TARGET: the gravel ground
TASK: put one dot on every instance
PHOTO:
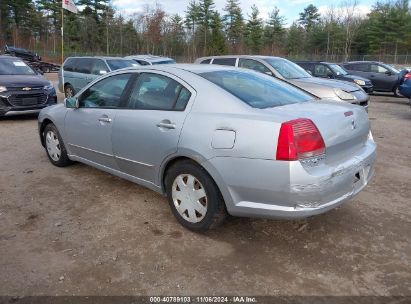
(79, 231)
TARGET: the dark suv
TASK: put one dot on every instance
(332, 70)
(384, 77)
(22, 91)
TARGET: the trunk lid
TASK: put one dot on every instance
(344, 127)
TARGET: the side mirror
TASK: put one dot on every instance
(309, 72)
(388, 73)
(330, 75)
(39, 72)
(71, 103)
(102, 72)
(269, 73)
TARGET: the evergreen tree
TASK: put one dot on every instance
(254, 30)
(274, 31)
(205, 15)
(217, 39)
(309, 17)
(234, 23)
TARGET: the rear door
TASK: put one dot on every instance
(149, 130)
(81, 73)
(89, 128)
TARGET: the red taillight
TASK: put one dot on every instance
(407, 76)
(299, 139)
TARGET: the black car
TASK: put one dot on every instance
(384, 77)
(22, 90)
(332, 70)
(22, 53)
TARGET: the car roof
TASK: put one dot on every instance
(362, 62)
(242, 56)
(148, 57)
(98, 57)
(190, 67)
(314, 61)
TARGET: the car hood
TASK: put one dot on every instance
(23, 81)
(323, 88)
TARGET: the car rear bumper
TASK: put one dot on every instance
(289, 190)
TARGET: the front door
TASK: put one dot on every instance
(89, 128)
(149, 130)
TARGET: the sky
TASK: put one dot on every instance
(288, 8)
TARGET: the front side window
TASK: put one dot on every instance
(14, 66)
(322, 70)
(253, 65)
(225, 61)
(287, 69)
(106, 93)
(375, 68)
(158, 92)
(257, 90)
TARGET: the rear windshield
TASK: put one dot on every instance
(14, 67)
(116, 64)
(258, 91)
(164, 62)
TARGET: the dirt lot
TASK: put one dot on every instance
(79, 231)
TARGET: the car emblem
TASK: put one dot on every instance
(353, 124)
(27, 89)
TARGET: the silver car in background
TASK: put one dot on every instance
(289, 71)
(215, 139)
(150, 59)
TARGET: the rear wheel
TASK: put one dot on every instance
(194, 198)
(396, 91)
(56, 151)
(69, 91)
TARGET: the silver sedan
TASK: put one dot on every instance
(215, 140)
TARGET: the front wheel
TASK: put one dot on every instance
(194, 198)
(56, 151)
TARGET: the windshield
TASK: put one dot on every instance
(338, 69)
(116, 64)
(258, 91)
(164, 62)
(14, 67)
(287, 69)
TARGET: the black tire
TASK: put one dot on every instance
(216, 211)
(396, 91)
(63, 160)
(69, 91)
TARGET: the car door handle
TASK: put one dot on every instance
(166, 125)
(105, 119)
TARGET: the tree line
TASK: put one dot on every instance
(340, 33)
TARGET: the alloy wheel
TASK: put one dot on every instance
(189, 198)
(53, 145)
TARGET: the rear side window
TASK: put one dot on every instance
(99, 67)
(207, 61)
(158, 92)
(142, 62)
(361, 67)
(84, 65)
(322, 70)
(225, 61)
(69, 65)
(257, 90)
